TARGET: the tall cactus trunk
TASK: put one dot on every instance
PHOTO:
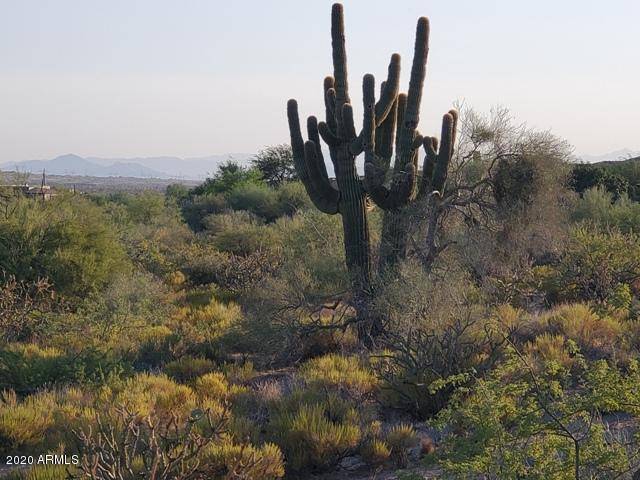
(357, 243)
(394, 238)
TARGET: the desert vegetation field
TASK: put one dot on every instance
(464, 307)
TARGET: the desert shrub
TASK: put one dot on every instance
(294, 312)
(252, 463)
(41, 472)
(232, 273)
(257, 199)
(199, 330)
(519, 423)
(312, 439)
(145, 207)
(68, 240)
(159, 247)
(154, 347)
(401, 439)
(228, 176)
(550, 349)
(438, 332)
(176, 192)
(240, 233)
(25, 308)
(338, 372)
(188, 368)
(26, 368)
(41, 421)
(196, 209)
(189, 432)
(596, 335)
(115, 321)
(599, 267)
(146, 394)
(292, 197)
(585, 177)
(599, 207)
(24, 424)
(375, 452)
(213, 385)
(245, 239)
(203, 264)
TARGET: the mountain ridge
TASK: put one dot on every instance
(194, 168)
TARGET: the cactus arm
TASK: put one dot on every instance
(408, 139)
(436, 162)
(431, 148)
(389, 90)
(449, 124)
(330, 103)
(327, 135)
(418, 73)
(339, 55)
(348, 125)
(326, 195)
(385, 134)
(312, 133)
(411, 114)
(311, 174)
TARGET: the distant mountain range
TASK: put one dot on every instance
(181, 168)
(622, 154)
(146, 167)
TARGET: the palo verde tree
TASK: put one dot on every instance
(392, 116)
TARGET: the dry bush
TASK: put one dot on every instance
(345, 374)
(401, 439)
(438, 331)
(24, 307)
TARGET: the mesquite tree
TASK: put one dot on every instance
(393, 117)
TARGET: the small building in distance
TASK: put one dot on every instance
(43, 191)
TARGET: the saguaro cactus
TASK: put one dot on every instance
(348, 197)
(410, 198)
(393, 117)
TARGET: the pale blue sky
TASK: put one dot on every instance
(188, 78)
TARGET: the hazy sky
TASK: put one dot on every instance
(190, 78)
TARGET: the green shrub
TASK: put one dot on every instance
(200, 330)
(292, 197)
(438, 332)
(312, 440)
(188, 368)
(599, 267)
(257, 199)
(335, 371)
(197, 208)
(599, 207)
(245, 240)
(252, 463)
(596, 335)
(68, 240)
(375, 452)
(26, 368)
(228, 176)
(401, 438)
(41, 421)
(519, 423)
